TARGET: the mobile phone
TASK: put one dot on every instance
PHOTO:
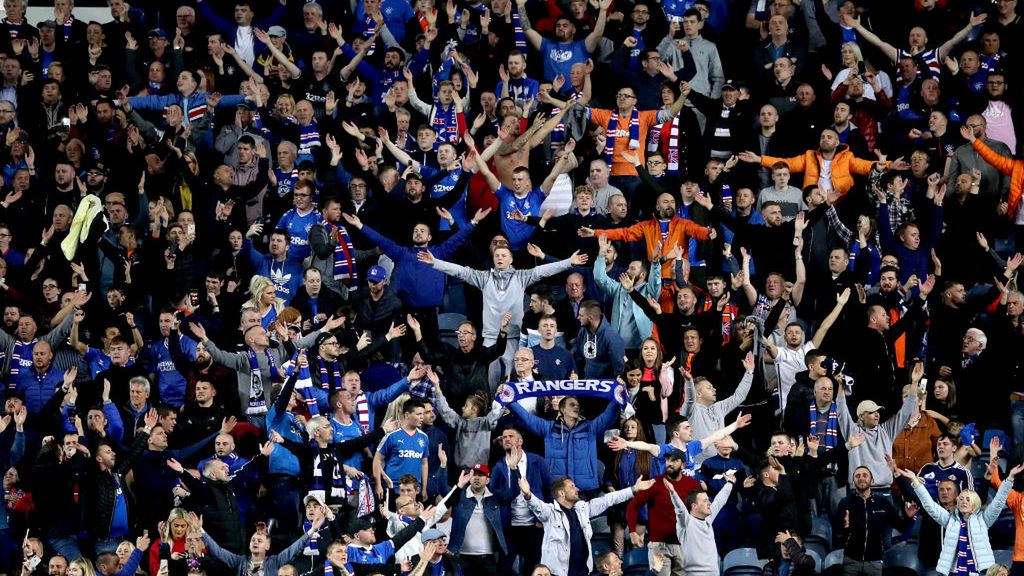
(193, 297)
(860, 68)
(81, 287)
(191, 229)
(65, 122)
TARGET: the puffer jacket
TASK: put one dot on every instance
(844, 166)
(977, 528)
(555, 549)
(572, 451)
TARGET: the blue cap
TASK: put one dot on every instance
(377, 274)
(431, 534)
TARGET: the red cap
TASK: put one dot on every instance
(482, 469)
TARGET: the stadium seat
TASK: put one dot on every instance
(817, 559)
(833, 563)
(1004, 557)
(902, 560)
(635, 557)
(741, 562)
(820, 536)
(447, 324)
(820, 551)
(1001, 533)
(1004, 439)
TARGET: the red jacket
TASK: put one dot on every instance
(661, 514)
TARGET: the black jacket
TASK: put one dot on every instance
(466, 372)
(870, 520)
(102, 496)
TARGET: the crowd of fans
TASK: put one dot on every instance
(519, 287)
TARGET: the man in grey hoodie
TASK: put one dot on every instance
(878, 437)
(694, 520)
(257, 562)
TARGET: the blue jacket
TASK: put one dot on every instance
(462, 511)
(609, 360)
(38, 391)
(417, 284)
(504, 482)
(194, 106)
(282, 460)
(572, 451)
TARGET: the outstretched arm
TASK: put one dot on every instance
(829, 320)
(590, 42)
(532, 36)
(888, 49)
(944, 50)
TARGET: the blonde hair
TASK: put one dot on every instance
(394, 410)
(84, 565)
(855, 48)
(974, 498)
(175, 514)
(256, 287)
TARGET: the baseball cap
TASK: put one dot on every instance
(868, 406)
(376, 274)
(313, 497)
(277, 32)
(321, 338)
(732, 84)
(14, 394)
(157, 32)
(431, 534)
(360, 524)
(832, 366)
(247, 105)
(482, 469)
(414, 176)
(675, 454)
(47, 24)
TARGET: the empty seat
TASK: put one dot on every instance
(833, 563)
(1004, 557)
(817, 559)
(741, 562)
(447, 324)
(1004, 439)
(902, 560)
(636, 557)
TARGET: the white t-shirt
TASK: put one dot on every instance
(788, 363)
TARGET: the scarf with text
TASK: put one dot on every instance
(830, 435)
(312, 548)
(344, 269)
(612, 133)
(676, 147)
(257, 401)
(363, 413)
(445, 123)
(369, 29)
(326, 463)
(22, 351)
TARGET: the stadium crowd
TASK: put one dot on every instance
(532, 287)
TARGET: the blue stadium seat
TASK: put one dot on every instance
(821, 535)
(634, 558)
(833, 563)
(1004, 557)
(447, 324)
(741, 562)
(817, 559)
(902, 560)
(1001, 533)
(819, 551)
(1004, 439)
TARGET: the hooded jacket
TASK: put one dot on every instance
(844, 166)
(572, 451)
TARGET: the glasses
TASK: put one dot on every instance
(357, 185)
(974, 125)
(624, 95)
(995, 82)
(522, 360)
(465, 333)
(49, 286)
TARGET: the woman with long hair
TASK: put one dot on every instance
(173, 532)
(965, 545)
(649, 395)
(629, 466)
(263, 299)
(81, 567)
(944, 407)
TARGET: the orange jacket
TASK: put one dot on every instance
(680, 230)
(844, 166)
(1012, 168)
(1015, 502)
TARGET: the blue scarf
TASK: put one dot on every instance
(311, 549)
(309, 140)
(613, 128)
(446, 123)
(558, 134)
(371, 28)
(831, 436)
(519, 34)
(964, 555)
(304, 384)
(332, 380)
(344, 269)
(608, 389)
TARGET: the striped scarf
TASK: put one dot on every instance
(344, 268)
(370, 29)
(558, 134)
(363, 413)
(829, 436)
(330, 380)
(312, 548)
(304, 384)
(612, 133)
(309, 140)
(676, 147)
(22, 351)
(445, 123)
(257, 401)
(196, 113)
(964, 554)
(520, 35)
